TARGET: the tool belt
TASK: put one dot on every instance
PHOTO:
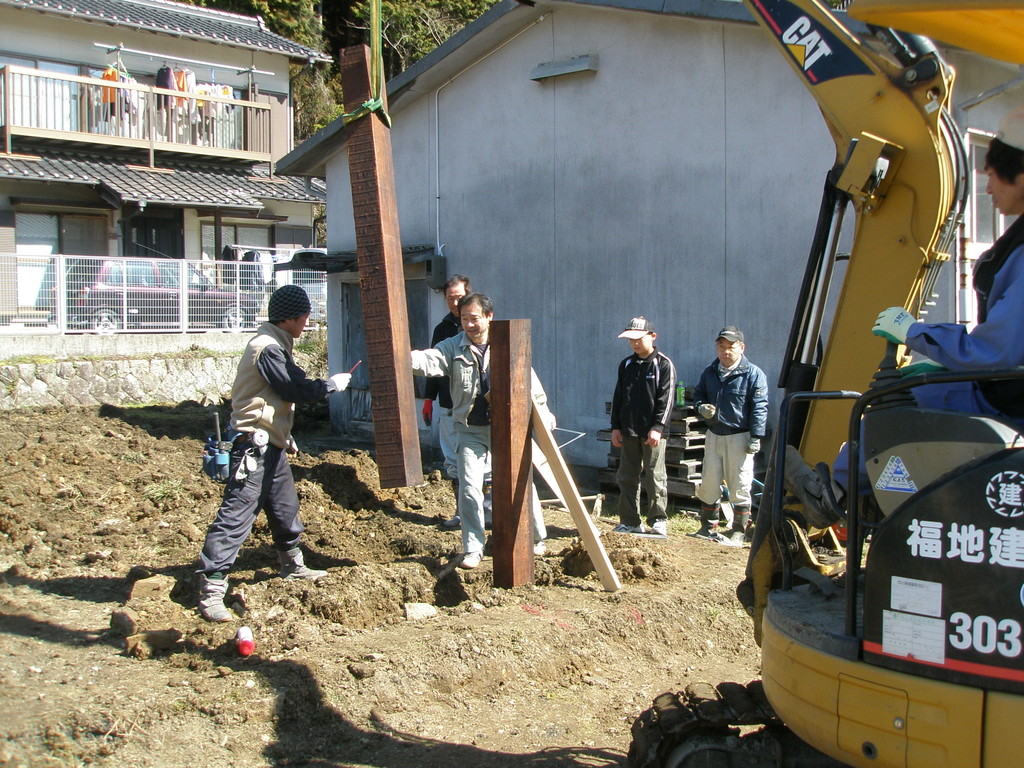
(259, 438)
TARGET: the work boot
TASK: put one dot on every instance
(740, 522)
(293, 566)
(709, 516)
(211, 597)
(820, 510)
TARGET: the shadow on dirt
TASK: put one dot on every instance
(186, 419)
(54, 633)
(311, 733)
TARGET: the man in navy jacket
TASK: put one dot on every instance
(732, 398)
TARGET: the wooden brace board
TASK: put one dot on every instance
(549, 463)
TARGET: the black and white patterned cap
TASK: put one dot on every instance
(287, 302)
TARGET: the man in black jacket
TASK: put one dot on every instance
(455, 288)
(641, 411)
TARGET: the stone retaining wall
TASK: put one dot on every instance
(116, 382)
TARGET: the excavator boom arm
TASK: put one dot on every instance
(898, 164)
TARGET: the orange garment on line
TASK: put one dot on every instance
(109, 95)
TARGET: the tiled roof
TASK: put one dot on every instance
(192, 184)
(177, 19)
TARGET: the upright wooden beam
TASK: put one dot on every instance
(511, 463)
(381, 279)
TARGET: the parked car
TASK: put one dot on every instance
(107, 295)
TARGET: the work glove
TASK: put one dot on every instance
(920, 365)
(707, 411)
(340, 381)
(753, 445)
(893, 324)
(428, 412)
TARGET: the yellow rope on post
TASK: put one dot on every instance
(376, 100)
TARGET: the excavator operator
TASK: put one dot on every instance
(996, 340)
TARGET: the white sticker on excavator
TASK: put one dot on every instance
(916, 596)
(914, 637)
(895, 477)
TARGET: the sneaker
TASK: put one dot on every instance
(660, 528)
(470, 560)
(540, 548)
(623, 528)
(453, 522)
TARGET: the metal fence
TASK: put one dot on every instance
(85, 294)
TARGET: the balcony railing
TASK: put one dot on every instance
(46, 105)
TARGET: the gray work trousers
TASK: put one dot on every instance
(474, 461)
(642, 464)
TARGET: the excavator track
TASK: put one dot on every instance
(729, 725)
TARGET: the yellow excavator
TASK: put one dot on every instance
(900, 643)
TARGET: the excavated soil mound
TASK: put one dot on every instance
(395, 658)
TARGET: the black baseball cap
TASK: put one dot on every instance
(730, 333)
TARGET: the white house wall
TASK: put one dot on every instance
(681, 181)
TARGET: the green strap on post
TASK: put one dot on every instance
(376, 100)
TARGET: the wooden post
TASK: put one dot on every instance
(511, 463)
(381, 280)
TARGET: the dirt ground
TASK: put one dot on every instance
(104, 661)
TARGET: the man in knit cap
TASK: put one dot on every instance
(263, 397)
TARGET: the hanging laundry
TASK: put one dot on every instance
(165, 79)
(109, 95)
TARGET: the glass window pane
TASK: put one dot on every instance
(254, 236)
(140, 273)
(984, 213)
(170, 273)
(36, 233)
(84, 235)
(18, 60)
